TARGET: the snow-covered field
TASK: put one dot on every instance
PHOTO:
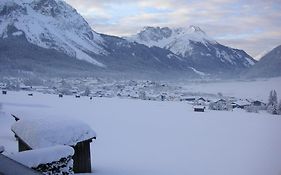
(258, 89)
(136, 137)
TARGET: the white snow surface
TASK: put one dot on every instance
(146, 137)
(34, 158)
(243, 102)
(197, 71)
(253, 89)
(46, 132)
(65, 31)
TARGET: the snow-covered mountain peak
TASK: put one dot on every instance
(193, 44)
(196, 29)
(191, 33)
(177, 39)
(190, 30)
(154, 33)
(50, 24)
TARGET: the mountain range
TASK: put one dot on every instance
(49, 37)
(268, 66)
(193, 44)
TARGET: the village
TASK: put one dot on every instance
(142, 90)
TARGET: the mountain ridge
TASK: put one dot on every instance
(58, 28)
(268, 66)
(192, 43)
(51, 24)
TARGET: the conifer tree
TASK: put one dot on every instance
(272, 106)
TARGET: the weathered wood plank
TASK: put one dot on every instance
(82, 157)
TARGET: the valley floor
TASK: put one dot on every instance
(255, 89)
(158, 138)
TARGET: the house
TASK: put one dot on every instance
(46, 133)
(4, 92)
(220, 104)
(258, 103)
(188, 99)
(153, 97)
(200, 101)
(3, 86)
(60, 95)
(242, 104)
(199, 108)
(40, 88)
(25, 88)
(99, 94)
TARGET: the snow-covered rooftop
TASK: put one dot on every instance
(242, 102)
(34, 158)
(44, 132)
(198, 107)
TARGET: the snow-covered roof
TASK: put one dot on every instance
(44, 132)
(242, 102)
(220, 100)
(258, 101)
(201, 99)
(198, 107)
(34, 158)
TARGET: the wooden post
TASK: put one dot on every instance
(82, 157)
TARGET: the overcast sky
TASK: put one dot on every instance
(251, 25)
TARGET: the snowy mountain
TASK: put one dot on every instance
(192, 43)
(50, 37)
(51, 24)
(268, 66)
(177, 40)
